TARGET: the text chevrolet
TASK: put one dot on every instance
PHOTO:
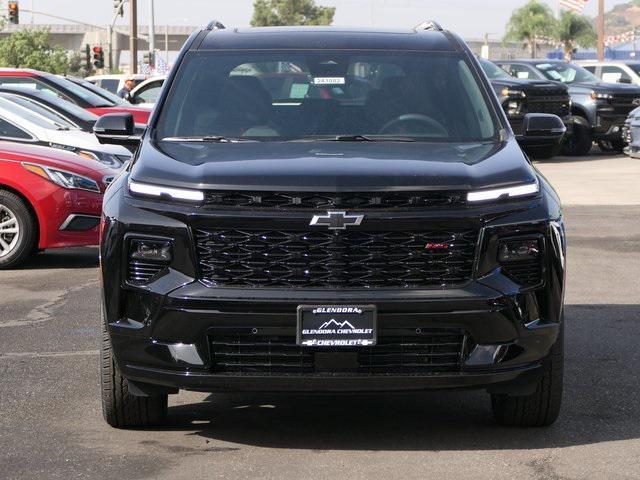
(330, 210)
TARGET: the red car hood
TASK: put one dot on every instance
(51, 157)
(140, 115)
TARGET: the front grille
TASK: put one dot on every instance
(324, 201)
(624, 98)
(348, 259)
(526, 273)
(558, 107)
(399, 351)
(141, 273)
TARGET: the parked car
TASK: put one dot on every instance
(147, 92)
(521, 96)
(599, 109)
(73, 114)
(115, 82)
(69, 91)
(49, 198)
(632, 133)
(614, 71)
(22, 125)
(397, 241)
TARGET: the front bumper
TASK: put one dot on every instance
(161, 333)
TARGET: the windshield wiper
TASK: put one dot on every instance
(355, 138)
(208, 138)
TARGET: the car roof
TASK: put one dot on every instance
(327, 38)
(608, 62)
(531, 61)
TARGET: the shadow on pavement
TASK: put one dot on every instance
(601, 404)
(84, 257)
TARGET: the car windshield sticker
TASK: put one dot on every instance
(329, 81)
(299, 90)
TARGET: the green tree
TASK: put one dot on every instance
(78, 66)
(574, 31)
(529, 24)
(290, 12)
(32, 49)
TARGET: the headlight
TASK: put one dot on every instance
(601, 96)
(148, 190)
(513, 107)
(63, 178)
(507, 192)
(113, 161)
(510, 92)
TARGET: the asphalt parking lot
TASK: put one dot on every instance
(51, 424)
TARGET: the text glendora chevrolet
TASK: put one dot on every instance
(330, 210)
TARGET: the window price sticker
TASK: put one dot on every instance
(329, 81)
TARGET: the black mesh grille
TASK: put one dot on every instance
(324, 201)
(526, 273)
(399, 351)
(322, 259)
(141, 273)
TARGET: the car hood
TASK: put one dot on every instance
(333, 166)
(607, 86)
(84, 140)
(522, 83)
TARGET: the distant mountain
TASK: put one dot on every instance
(622, 18)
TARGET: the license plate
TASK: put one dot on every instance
(336, 325)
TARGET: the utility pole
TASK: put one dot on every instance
(600, 23)
(133, 36)
(152, 36)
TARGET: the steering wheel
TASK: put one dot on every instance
(425, 125)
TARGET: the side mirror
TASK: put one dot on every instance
(624, 80)
(543, 128)
(129, 98)
(116, 129)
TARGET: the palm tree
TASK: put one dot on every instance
(530, 23)
(574, 30)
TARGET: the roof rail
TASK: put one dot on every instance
(429, 25)
(214, 25)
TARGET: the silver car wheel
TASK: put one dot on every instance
(9, 231)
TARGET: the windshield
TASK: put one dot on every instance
(493, 71)
(39, 109)
(77, 90)
(111, 99)
(322, 95)
(29, 115)
(566, 73)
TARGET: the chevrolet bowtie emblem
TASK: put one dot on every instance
(336, 220)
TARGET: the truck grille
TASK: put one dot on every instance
(324, 201)
(348, 259)
(399, 351)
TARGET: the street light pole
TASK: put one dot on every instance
(152, 36)
(133, 36)
(600, 23)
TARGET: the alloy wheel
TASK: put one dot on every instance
(9, 230)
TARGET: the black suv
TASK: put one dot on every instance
(521, 96)
(599, 108)
(330, 210)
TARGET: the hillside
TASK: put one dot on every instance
(622, 18)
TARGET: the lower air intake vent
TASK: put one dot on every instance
(141, 273)
(527, 273)
(399, 351)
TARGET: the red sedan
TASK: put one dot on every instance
(48, 199)
(68, 90)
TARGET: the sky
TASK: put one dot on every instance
(469, 18)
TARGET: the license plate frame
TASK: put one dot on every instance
(324, 326)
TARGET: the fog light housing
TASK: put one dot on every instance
(150, 251)
(513, 108)
(521, 260)
(148, 260)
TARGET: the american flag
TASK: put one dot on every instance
(573, 5)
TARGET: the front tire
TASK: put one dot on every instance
(580, 141)
(18, 230)
(119, 408)
(541, 408)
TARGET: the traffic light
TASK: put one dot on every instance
(118, 6)
(14, 13)
(98, 57)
